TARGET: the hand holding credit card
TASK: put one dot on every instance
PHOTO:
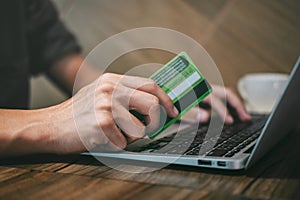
(184, 84)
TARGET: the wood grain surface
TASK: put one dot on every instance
(276, 176)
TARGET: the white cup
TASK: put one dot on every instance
(261, 90)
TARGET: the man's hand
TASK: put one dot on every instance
(101, 111)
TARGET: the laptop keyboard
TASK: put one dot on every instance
(232, 140)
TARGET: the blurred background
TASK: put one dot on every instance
(242, 36)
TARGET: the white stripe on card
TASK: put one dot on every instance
(186, 84)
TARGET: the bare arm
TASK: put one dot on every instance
(64, 73)
(26, 131)
(35, 131)
(94, 116)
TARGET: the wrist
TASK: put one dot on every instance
(43, 130)
(37, 132)
(24, 132)
(56, 128)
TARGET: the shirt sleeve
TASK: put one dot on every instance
(48, 38)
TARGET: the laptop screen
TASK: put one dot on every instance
(282, 120)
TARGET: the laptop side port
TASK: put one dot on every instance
(221, 163)
(204, 162)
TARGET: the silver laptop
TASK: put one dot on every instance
(238, 146)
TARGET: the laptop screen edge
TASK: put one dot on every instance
(255, 155)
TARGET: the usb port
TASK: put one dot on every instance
(221, 163)
(204, 162)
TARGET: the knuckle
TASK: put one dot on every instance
(105, 104)
(106, 87)
(106, 121)
(107, 76)
(154, 100)
(152, 85)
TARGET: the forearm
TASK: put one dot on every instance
(47, 130)
(27, 131)
(65, 72)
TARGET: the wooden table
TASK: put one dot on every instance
(276, 176)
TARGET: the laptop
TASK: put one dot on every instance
(238, 146)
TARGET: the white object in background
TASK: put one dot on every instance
(261, 90)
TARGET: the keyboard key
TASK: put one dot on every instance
(217, 152)
(230, 154)
(192, 152)
(176, 151)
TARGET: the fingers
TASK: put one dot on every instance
(152, 88)
(221, 109)
(147, 105)
(232, 98)
(196, 115)
(132, 127)
(141, 101)
(139, 94)
(203, 115)
(149, 86)
(112, 132)
(235, 101)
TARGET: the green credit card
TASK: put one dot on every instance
(184, 84)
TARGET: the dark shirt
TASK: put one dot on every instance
(32, 39)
